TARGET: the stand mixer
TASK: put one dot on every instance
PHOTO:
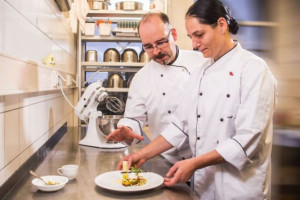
(87, 109)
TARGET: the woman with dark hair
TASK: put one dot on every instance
(226, 115)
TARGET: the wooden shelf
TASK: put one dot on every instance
(114, 64)
(110, 69)
(109, 39)
(116, 13)
(112, 89)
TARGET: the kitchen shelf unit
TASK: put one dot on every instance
(109, 39)
(116, 41)
(115, 16)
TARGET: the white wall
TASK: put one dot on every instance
(176, 12)
(31, 111)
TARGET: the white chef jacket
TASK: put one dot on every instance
(154, 95)
(228, 107)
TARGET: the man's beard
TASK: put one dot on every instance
(160, 56)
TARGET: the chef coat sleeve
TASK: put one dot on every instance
(253, 123)
(176, 133)
(135, 115)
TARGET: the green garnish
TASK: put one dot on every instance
(136, 170)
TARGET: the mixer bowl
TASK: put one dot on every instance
(108, 123)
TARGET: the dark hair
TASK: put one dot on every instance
(164, 18)
(209, 11)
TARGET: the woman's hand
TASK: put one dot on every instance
(154, 148)
(132, 160)
(181, 171)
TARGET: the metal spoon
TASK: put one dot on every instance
(34, 174)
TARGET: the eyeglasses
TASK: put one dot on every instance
(160, 44)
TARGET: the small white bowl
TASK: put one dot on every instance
(61, 180)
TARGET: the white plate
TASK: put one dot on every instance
(112, 181)
(49, 188)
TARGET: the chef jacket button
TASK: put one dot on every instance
(198, 138)
(217, 141)
(169, 111)
(198, 116)
(221, 119)
(200, 93)
(164, 93)
(228, 95)
(161, 75)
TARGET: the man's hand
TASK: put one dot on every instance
(123, 133)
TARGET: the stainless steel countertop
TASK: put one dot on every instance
(92, 162)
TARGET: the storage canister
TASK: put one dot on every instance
(104, 27)
(100, 4)
(111, 55)
(115, 81)
(91, 56)
(129, 55)
(144, 57)
(89, 28)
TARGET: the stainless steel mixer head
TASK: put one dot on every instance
(114, 104)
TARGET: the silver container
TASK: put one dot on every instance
(111, 55)
(91, 56)
(108, 123)
(129, 5)
(129, 55)
(115, 81)
(100, 4)
(144, 57)
(130, 80)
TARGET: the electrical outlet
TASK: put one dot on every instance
(54, 79)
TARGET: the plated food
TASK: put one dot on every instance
(132, 177)
(112, 181)
(54, 183)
